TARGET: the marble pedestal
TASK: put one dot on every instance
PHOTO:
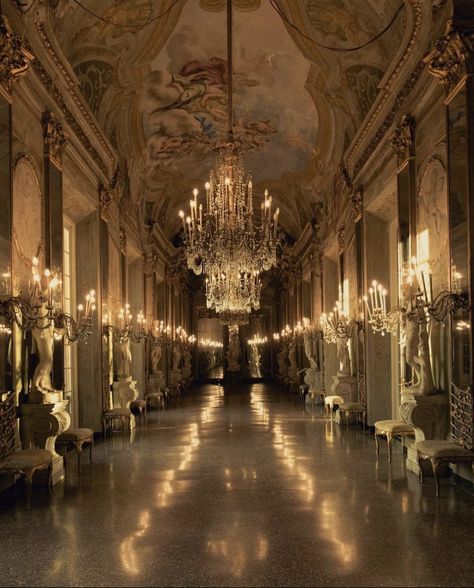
(428, 416)
(345, 386)
(123, 393)
(40, 424)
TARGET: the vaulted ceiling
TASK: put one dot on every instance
(159, 90)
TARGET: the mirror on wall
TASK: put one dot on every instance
(256, 336)
(459, 232)
(6, 354)
(210, 349)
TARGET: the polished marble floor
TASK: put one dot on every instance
(241, 489)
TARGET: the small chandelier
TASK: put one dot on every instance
(225, 241)
(233, 291)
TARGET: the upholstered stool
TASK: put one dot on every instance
(355, 408)
(329, 403)
(113, 414)
(389, 429)
(439, 452)
(26, 463)
(76, 438)
(139, 407)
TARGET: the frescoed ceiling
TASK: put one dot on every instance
(160, 90)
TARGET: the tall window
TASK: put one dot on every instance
(68, 305)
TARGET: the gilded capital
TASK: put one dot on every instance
(55, 137)
(14, 57)
(403, 139)
(105, 200)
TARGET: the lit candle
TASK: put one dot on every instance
(366, 300)
(371, 292)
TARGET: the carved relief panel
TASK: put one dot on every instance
(28, 223)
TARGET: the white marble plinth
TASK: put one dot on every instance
(40, 424)
(428, 415)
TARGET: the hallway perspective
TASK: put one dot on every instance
(243, 488)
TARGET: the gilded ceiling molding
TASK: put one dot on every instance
(451, 60)
(403, 139)
(69, 117)
(14, 56)
(387, 93)
(55, 138)
(72, 84)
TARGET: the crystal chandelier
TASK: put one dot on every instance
(224, 240)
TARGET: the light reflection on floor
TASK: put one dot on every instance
(241, 488)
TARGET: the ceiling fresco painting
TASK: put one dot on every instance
(185, 105)
(159, 89)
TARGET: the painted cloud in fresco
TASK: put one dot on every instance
(184, 102)
(187, 114)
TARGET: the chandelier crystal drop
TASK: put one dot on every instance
(237, 292)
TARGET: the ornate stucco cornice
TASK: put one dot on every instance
(386, 95)
(403, 139)
(384, 128)
(75, 95)
(54, 91)
(55, 138)
(15, 58)
(54, 80)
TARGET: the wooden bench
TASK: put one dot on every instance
(458, 449)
